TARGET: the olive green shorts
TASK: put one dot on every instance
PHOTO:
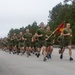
(10, 44)
(21, 45)
(61, 44)
(27, 44)
(34, 44)
(67, 43)
(15, 44)
(49, 44)
(41, 43)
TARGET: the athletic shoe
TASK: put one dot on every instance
(29, 54)
(47, 56)
(44, 59)
(35, 54)
(71, 59)
(50, 56)
(61, 56)
(38, 55)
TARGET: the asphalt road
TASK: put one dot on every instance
(21, 65)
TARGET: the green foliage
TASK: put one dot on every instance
(32, 29)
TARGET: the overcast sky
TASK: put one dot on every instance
(19, 13)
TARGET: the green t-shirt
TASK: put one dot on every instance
(20, 39)
(43, 32)
(51, 39)
(15, 39)
(9, 40)
(66, 31)
(28, 37)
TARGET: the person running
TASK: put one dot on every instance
(10, 43)
(60, 40)
(67, 33)
(28, 37)
(34, 44)
(41, 32)
(15, 42)
(50, 41)
(21, 43)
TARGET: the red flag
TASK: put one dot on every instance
(61, 27)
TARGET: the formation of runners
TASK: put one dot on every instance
(26, 43)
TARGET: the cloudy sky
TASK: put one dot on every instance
(19, 13)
